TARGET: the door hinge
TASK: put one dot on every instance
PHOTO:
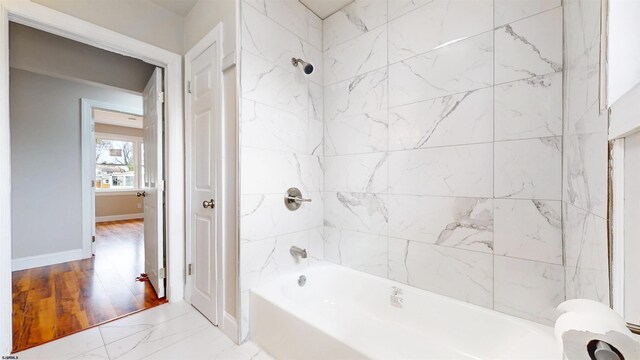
(189, 269)
(93, 183)
(161, 274)
(161, 97)
(189, 87)
(93, 239)
(161, 185)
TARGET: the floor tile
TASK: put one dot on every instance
(70, 347)
(144, 320)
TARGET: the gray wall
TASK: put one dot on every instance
(41, 52)
(46, 160)
(204, 16)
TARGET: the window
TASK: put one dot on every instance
(118, 162)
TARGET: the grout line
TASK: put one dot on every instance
(387, 147)
(526, 17)
(440, 146)
(493, 162)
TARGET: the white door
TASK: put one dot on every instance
(203, 108)
(153, 184)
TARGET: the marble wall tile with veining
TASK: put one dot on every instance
(585, 156)
(315, 134)
(529, 47)
(589, 284)
(529, 229)
(315, 30)
(289, 13)
(582, 60)
(265, 127)
(465, 223)
(363, 94)
(315, 250)
(264, 260)
(456, 68)
(585, 239)
(464, 118)
(282, 87)
(529, 108)
(362, 212)
(464, 170)
(460, 274)
(586, 172)
(273, 172)
(357, 18)
(401, 7)
(357, 56)
(594, 121)
(436, 24)
(364, 133)
(528, 289)
(264, 37)
(356, 173)
(356, 250)
(265, 215)
(507, 11)
(529, 169)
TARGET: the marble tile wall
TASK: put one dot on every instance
(585, 156)
(281, 141)
(436, 144)
(443, 147)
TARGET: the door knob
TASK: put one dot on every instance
(141, 194)
(208, 204)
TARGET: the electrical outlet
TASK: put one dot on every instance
(139, 206)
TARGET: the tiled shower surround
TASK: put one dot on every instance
(430, 138)
(443, 148)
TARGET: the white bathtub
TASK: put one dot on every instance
(345, 314)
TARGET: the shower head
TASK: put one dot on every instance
(306, 67)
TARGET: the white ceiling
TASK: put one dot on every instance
(117, 118)
(180, 7)
(325, 8)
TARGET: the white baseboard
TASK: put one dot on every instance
(29, 262)
(230, 327)
(119, 217)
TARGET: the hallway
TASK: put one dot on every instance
(54, 301)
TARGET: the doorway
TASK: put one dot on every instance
(42, 18)
(70, 274)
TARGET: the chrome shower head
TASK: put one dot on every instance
(306, 67)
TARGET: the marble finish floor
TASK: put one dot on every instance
(169, 331)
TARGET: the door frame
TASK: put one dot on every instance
(227, 323)
(89, 167)
(57, 23)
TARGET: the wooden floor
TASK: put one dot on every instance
(58, 300)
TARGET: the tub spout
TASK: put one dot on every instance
(296, 251)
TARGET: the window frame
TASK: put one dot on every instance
(137, 145)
